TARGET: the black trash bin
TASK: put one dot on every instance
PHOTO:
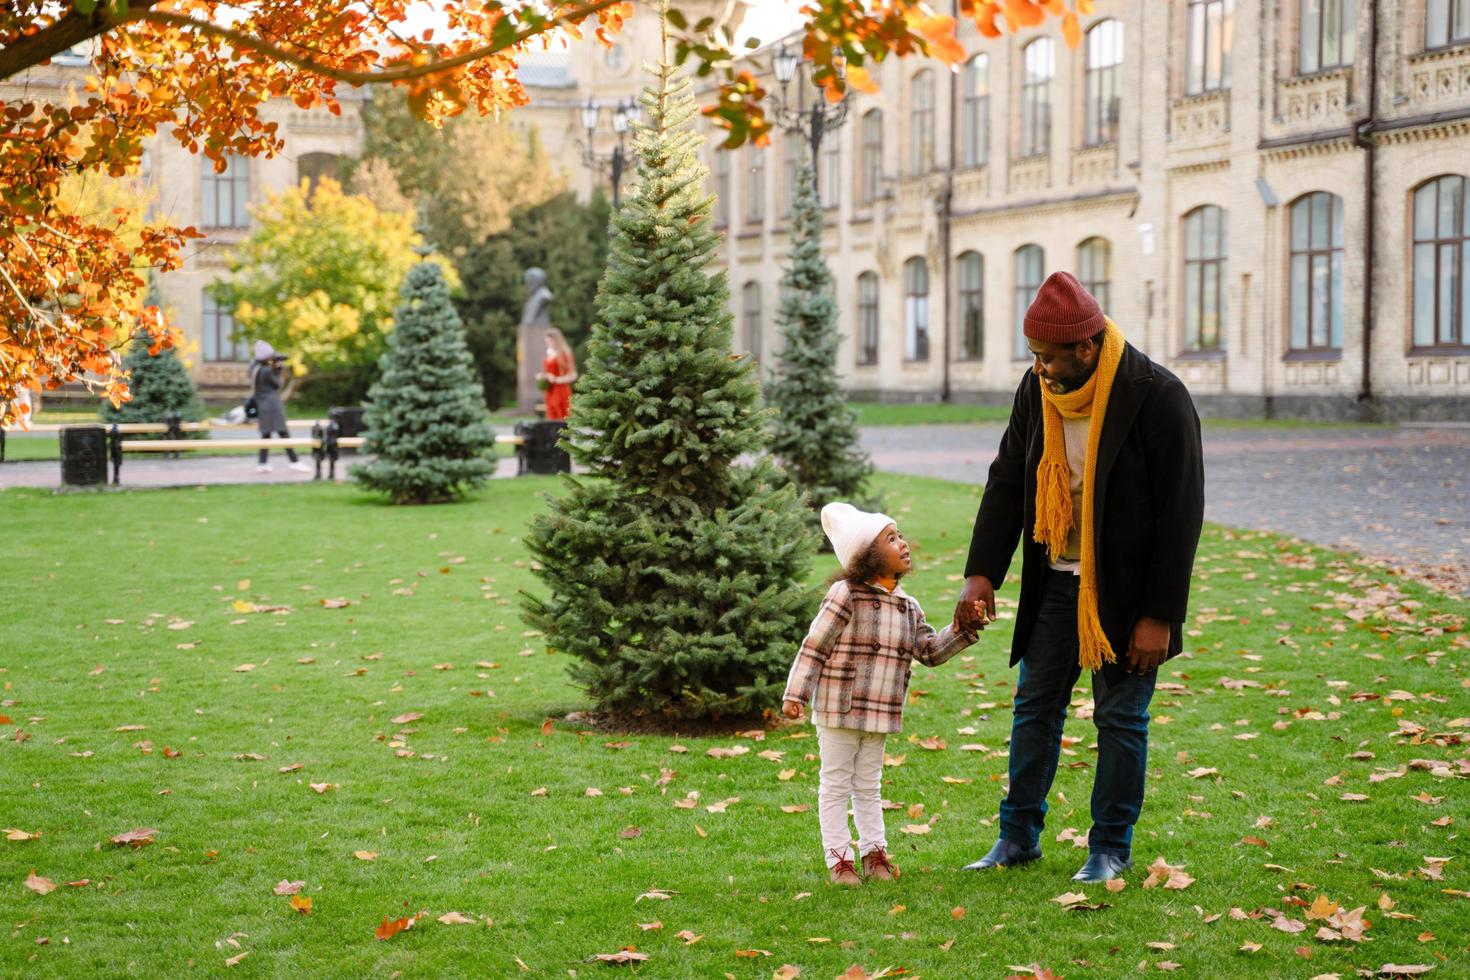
(84, 456)
(349, 423)
(541, 453)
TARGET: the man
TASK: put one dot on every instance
(1101, 467)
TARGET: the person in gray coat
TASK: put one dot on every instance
(267, 375)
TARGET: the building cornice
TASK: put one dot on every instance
(1074, 202)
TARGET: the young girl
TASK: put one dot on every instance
(855, 659)
(558, 370)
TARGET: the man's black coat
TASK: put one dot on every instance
(1149, 505)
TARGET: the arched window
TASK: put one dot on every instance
(750, 318)
(1316, 272)
(921, 123)
(224, 197)
(971, 268)
(1095, 270)
(916, 309)
(1030, 262)
(1210, 26)
(721, 170)
(312, 167)
(1325, 34)
(1104, 81)
(829, 184)
(1205, 240)
(975, 117)
(1039, 61)
(792, 147)
(870, 178)
(755, 185)
(867, 346)
(217, 332)
(1441, 263)
(1446, 22)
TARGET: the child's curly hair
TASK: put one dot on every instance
(865, 567)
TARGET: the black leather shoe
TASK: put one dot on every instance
(1006, 854)
(1102, 866)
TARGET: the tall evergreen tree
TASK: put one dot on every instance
(425, 416)
(814, 434)
(160, 384)
(673, 574)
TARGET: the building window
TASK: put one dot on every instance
(1095, 270)
(755, 186)
(1316, 272)
(223, 197)
(792, 146)
(916, 309)
(1446, 22)
(1441, 263)
(750, 318)
(1325, 35)
(972, 306)
(1205, 235)
(1039, 64)
(870, 179)
(312, 167)
(722, 188)
(829, 187)
(1030, 263)
(1104, 82)
(921, 123)
(217, 328)
(975, 117)
(1210, 29)
(867, 352)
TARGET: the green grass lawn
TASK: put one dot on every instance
(184, 661)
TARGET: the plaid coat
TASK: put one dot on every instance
(856, 656)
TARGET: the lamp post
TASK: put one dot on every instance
(809, 123)
(624, 114)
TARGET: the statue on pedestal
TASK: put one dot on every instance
(531, 339)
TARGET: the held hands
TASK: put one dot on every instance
(792, 710)
(976, 606)
(1148, 646)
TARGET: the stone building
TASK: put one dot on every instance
(1268, 196)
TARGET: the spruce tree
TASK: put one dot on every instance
(425, 416)
(814, 435)
(160, 384)
(673, 572)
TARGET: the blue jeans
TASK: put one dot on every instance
(1049, 670)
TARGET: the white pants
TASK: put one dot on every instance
(852, 771)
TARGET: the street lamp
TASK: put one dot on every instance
(624, 115)
(811, 123)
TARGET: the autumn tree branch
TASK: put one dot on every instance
(241, 39)
(70, 30)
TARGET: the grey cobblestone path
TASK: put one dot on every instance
(1401, 495)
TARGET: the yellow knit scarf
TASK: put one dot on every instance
(1054, 518)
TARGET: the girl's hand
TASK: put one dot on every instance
(792, 710)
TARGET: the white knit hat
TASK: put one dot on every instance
(851, 530)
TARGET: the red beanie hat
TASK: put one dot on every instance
(1063, 312)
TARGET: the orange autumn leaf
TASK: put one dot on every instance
(392, 927)
(301, 903)
(39, 885)
(1071, 30)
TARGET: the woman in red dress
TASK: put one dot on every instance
(558, 370)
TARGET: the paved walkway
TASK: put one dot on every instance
(1401, 495)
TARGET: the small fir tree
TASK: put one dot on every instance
(673, 574)
(425, 416)
(160, 384)
(814, 434)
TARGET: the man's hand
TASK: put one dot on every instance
(976, 606)
(1148, 646)
(792, 710)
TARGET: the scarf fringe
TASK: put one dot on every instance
(1053, 506)
(1092, 643)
